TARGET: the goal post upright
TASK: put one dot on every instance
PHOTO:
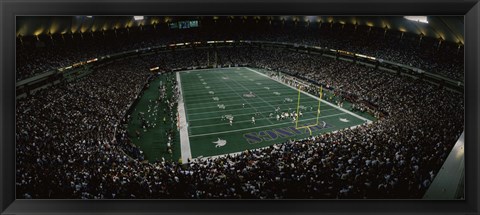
(320, 98)
(298, 110)
(298, 107)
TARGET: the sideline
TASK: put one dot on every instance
(184, 139)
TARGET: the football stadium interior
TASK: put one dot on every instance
(240, 107)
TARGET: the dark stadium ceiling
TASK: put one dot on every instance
(449, 28)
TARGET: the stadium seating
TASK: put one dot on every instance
(70, 145)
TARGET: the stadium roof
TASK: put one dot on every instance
(449, 28)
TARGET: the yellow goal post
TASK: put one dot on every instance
(298, 109)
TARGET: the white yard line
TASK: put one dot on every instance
(245, 129)
(304, 113)
(227, 124)
(208, 100)
(213, 86)
(271, 123)
(227, 111)
(220, 111)
(206, 96)
(273, 87)
(308, 94)
(235, 104)
(255, 94)
(184, 139)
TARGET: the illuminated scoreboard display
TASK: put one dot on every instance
(184, 24)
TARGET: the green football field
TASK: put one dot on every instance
(211, 96)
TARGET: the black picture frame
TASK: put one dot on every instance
(9, 9)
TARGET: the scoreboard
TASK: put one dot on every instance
(184, 24)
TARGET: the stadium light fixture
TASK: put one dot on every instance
(422, 19)
(138, 18)
(89, 16)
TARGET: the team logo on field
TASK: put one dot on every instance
(277, 93)
(211, 92)
(259, 83)
(285, 132)
(204, 83)
(267, 88)
(207, 87)
(220, 143)
(215, 98)
(344, 120)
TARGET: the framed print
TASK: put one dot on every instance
(239, 107)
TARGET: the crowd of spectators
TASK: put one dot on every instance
(67, 131)
(35, 57)
(66, 146)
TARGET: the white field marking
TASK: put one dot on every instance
(209, 69)
(228, 97)
(215, 70)
(227, 104)
(221, 90)
(304, 113)
(247, 102)
(229, 110)
(308, 94)
(216, 84)
(205, 96)
(236, 122)
(208, 101)
(184, 139)
(200, 113)
(198, 90)
(261, 148)
(201, 92)
(245, 129)
(254, 87)
(258, 96)
(243, 121)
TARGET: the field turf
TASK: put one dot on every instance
(205, 92)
